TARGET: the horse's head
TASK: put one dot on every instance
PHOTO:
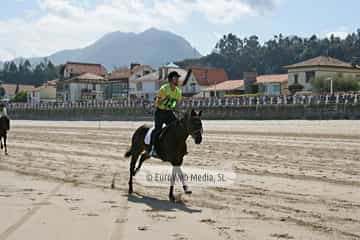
(193, 125)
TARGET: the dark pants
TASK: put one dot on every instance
(161, 117)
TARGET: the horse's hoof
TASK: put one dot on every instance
(112, 186)
(186, 190)
(171, 198)
(130, 191)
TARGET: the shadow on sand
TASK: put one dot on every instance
(161, 205)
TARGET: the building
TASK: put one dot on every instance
(73, 69)
(147, 86)
(198, 79)
(45, 93)
(86, 87)
(10, 90)
(303, 72)
(117, 86)
(273, 84)
(137, 71)
(230, 87)
(165, 70)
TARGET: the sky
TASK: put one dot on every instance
(37, 28)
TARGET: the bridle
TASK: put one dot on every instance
(196, 131)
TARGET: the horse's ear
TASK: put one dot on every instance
(200, 113)
(193, 113)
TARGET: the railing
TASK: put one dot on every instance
(353, 98)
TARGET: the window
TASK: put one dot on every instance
(193, 87)
(296, 80)
(139, 86)
(94, 86)
(309, 76)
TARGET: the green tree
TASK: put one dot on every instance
(238, 55)
(20, 97)
(340, 84)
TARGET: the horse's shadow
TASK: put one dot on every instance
(161, 205)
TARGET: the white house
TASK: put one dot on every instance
(85, 87)
(147, 86)
(198, 79)
(303, 72)
(137, 71)
(73, 69)
(44, 93)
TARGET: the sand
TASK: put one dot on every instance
(294, 180)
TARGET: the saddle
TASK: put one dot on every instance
(164, 131)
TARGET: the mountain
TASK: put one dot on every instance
(153, 47)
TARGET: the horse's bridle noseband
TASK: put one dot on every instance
(196, 131)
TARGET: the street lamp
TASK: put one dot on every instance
(331, 85)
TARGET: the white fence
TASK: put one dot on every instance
(353, 98)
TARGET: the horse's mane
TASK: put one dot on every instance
(166, 129)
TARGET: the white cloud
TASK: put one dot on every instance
(66, 24)
(339, 34)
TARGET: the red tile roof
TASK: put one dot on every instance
(81, 68)
(87, 78)
(139, 68)
(11, 88)
(209, 76)
(119, 74)
(239, 84)
(51, 83)
(272, 78)
(320, 61)
(227, 86)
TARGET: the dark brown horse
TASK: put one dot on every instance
(171, 146)
(4, 127)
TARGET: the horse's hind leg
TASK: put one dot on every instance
(143, 157)
(172, 184)
(134, 158)
(6, 153)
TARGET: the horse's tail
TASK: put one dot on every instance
(137, 141)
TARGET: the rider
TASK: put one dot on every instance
(166, 99)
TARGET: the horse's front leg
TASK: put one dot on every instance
(180, 173)
(177, 172)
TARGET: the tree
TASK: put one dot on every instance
(2, 92)
(238, 55)
(20, 97)
(340, 84)
(24, 73)
(296, 87)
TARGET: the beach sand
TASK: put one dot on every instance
(294, 180)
